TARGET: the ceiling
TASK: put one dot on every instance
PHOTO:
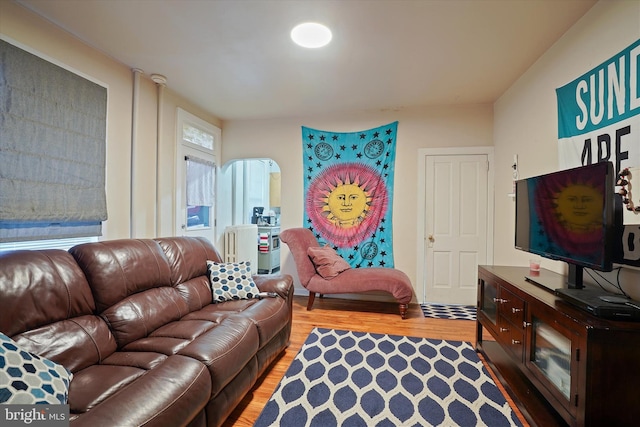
(235, 59)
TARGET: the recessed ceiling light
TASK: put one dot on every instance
(311, 35)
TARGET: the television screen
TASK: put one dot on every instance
(568, 215)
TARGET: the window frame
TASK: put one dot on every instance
(184, 149)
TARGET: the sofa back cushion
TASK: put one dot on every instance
(116, 269)
(47, 308)
(38, 288)
(188, 258)
(131, 284)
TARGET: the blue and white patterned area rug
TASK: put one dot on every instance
(449, 311)
(345, 378)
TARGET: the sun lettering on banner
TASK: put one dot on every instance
(346, 203)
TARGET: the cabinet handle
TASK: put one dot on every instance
(499, 300)
(504, 329)
(526, 324)
(516, 310)
(515, 342)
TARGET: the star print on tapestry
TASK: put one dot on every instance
(348, 192)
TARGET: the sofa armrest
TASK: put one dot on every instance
(282, 284)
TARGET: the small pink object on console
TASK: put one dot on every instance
(303, 244)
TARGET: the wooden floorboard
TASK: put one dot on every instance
(364, 316)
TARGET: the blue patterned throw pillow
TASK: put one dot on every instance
(26, 378)
(231, 281)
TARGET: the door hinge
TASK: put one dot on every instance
(577, 354)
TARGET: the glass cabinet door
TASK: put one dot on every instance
(551, 358)
(551, 353)
(489, 300)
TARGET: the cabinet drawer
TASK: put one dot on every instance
(512, 308)
(511, 337)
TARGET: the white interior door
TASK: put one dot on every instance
(456, 227)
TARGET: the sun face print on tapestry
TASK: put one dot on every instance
(348, 192)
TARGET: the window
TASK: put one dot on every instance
(193, 135)
(64, 244)
(200, 192)
(198, 142)
(52, 150)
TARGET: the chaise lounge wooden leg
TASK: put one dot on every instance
(403, 310)
(312, 297)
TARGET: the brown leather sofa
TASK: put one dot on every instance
(134, 322)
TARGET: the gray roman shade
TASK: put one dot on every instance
(52, 150)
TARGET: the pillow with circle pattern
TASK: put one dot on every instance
(27, 379)
(231, 281)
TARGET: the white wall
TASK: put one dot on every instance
(281, 140)
(525, 120)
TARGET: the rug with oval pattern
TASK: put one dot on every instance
(346, 378)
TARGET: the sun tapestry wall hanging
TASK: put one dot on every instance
(348, 192)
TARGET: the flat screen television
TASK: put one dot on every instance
(569, 216)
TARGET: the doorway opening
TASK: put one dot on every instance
(250, 191)
(253, 191)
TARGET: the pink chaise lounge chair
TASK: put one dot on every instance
(390, 280)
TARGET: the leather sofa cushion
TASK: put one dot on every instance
(187, 257)
(39, 288)
(116, 269)
(195, 292)
(137, 359)
(268, 315)
(224, 348)
(139, 315)
(75, 343)
(170, 394)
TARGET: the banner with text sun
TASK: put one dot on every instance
(599, 120)
(348, 192)
(599, 114)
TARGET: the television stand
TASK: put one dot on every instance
(560, 364)
(574, 280)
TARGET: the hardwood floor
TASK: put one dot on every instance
(364, 316)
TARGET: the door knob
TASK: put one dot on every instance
(431, 239)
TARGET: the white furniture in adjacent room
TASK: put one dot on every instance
(268, 249)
